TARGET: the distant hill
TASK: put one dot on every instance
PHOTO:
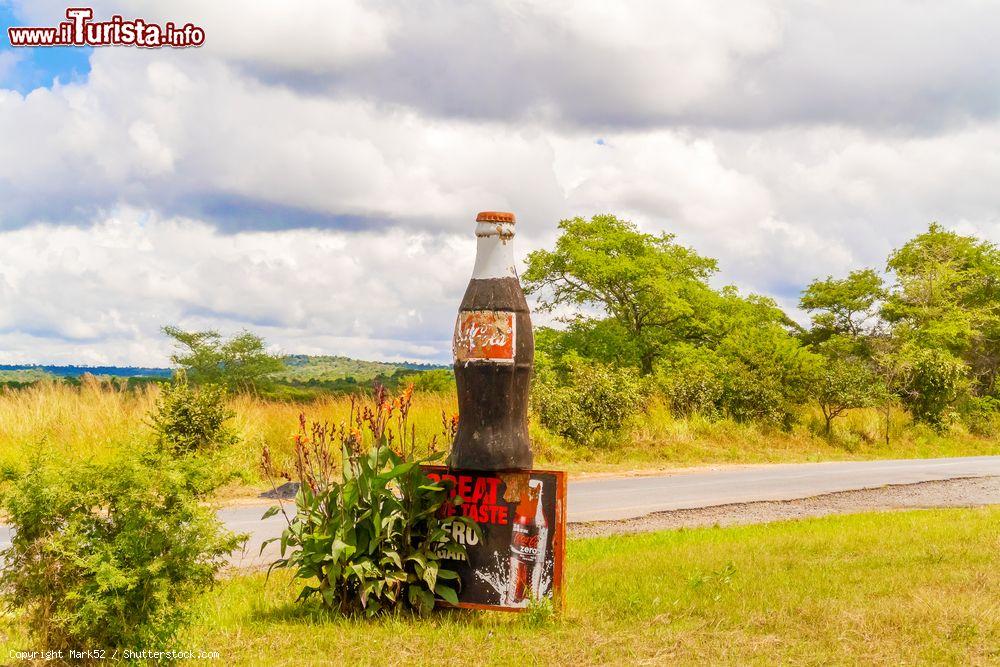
(23, 376)
(39, 371)
(303, 368)
(300, 368)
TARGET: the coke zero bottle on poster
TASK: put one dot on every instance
(528, 543)
(494, 350)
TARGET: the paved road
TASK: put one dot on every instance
(628, 497)
(624, 498)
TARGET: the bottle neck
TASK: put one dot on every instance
(539, 508)
(494, 251)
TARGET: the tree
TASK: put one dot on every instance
(435, 380)
(843, 385)
(651, 286)
(938, 272)
(606, 341)
(845, 307)
(890, 368)
(241, 363)
(947, 297)
(846, 330)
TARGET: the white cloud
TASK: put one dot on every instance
(312, 172)
(110, 287)
(178, 133)
(755, 63)
(868, 191)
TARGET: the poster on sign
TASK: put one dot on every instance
(519, 556)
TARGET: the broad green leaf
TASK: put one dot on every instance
(271, 511)
(446, 593)
(400, 469)
(430, 574)
(393, 557)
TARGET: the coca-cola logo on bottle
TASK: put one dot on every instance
(525, 542)
(485, 335)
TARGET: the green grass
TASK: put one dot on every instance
(897, 588)
(911, 587)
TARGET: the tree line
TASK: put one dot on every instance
(924, 334)
(639, 315)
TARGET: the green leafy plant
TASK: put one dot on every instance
(540, 612)
(370, 534)
(436, 380)
(111, 555)
(192, 419)
(767, 373)
(586, 399)
(653, 287)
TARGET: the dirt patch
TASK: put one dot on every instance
(965, 492)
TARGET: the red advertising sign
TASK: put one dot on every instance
(485, 335)
(522, 516)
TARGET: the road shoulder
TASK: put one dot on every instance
(962, 492)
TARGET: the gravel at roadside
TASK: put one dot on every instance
(966, 492)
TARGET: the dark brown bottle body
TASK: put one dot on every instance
(493, 388)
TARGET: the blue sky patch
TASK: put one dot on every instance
(37, 67)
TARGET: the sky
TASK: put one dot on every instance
(312, 173)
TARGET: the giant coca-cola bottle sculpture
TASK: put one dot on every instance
(494, 351)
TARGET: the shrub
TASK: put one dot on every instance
(436, 380)
(751, 394)
(982, 415)
(844, 385)
(109, 556)
(586, 399)
(690, 382)
(934, 380)
(559, 412)
(192, 419)
(765, 376)
(368, 535)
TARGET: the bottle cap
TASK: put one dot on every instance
(496, 216)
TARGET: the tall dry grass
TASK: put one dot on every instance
(73, 423)
(99, 418)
